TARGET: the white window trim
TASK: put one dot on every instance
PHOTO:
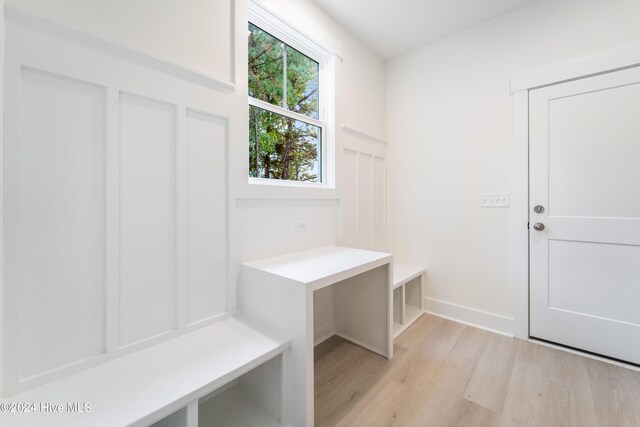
(289, 35)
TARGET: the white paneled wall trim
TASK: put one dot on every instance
(224, 84)
(116, 205)
(364, 194)
(363, 135)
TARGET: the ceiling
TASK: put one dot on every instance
(392, 27)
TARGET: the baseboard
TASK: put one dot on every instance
(470, 316)
(323, 333)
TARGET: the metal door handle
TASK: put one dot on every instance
(538, 226)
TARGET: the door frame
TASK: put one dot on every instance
(588, 66)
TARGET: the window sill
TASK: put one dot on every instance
(257, 188)
(287, 183)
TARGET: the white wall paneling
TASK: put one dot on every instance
(378, 202)
(362, 135)
(207, 138)
(364, 192)
(116, 206)
(61, 221)
(349, 173)
(147, 219)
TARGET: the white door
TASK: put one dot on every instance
(584, 142)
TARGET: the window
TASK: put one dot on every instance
(287, 116)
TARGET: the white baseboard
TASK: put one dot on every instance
(323, 333)
(470, 316)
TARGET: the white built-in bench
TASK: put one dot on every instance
(408, 295)
(203, 378)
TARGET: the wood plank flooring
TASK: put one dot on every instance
(448, 374)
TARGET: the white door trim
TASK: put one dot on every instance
(587, 66)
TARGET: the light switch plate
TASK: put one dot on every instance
(495, 200)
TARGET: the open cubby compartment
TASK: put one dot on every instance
(413, 299)
(253, 399)
(177, 419)
(398, 308)
(408, 294)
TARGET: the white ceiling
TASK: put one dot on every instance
(392, 27)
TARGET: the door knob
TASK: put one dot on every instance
(538, 226)
(538, 209)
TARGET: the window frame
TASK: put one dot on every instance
(293, 38)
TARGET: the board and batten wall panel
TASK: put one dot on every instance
(147, 218)
(379, 202)
(207, 217)
(116, 203)
(363, 207)
(349, 225)
(61, 237)
(364, 194)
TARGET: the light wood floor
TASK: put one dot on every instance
(448, 374)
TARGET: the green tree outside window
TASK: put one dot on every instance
(282, 147)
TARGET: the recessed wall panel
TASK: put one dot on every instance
(379, 205)
(207, 216)
(147, 292)
(365, 212)
(62, 234)
(349, 199)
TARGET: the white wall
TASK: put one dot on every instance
(194, 34)
(146, 107)
(450, 129)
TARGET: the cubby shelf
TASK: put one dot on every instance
(408, 295)
(234, 408)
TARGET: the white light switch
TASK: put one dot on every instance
(495, 200)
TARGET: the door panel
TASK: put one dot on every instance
(593, 151)
(581, 275)
(584, 147)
